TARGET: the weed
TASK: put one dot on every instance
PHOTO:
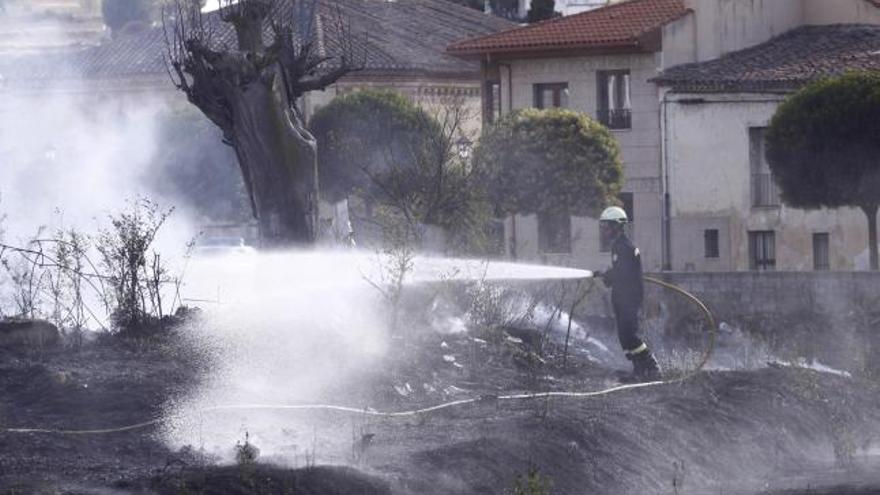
(55, 276)
(135, 274)
(677, 477)
(246, 453)
(532, 484)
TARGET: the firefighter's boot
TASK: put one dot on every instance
(645, 367)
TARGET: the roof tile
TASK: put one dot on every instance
(617, 25)
(784, 63)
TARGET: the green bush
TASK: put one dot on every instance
(394, 156)
(531, 484)
(549, 161)
(823, 143)
(363, 137)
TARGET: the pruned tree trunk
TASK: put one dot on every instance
(277, 156)
(871, 213)
(513, 240)
(251, 95)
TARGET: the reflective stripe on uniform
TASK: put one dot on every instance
(637, 350)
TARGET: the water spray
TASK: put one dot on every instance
(710, 319)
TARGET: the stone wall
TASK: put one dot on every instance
(832, 317)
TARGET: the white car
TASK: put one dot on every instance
(214, 246)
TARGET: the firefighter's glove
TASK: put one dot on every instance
(601, 275)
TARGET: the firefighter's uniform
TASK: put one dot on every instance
(627, 291)
(625, 280)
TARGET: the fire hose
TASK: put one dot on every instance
(710, 345)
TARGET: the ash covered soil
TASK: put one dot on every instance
(776, 430)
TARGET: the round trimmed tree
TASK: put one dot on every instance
(364, 136)
(823, 147)
(380, 147)
(549, 161)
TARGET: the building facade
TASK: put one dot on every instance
(726, 213)
(696, 185)
(598, 62)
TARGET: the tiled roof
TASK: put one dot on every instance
(620, 25)
(401, 36)
(784, 63)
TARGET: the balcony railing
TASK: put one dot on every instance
(616, 118)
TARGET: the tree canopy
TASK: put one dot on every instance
(549, 161)
(382, 148)
(823, 147)
(364, 136)
(118, 13)
(541, 10)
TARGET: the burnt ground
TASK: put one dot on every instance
(771, 431)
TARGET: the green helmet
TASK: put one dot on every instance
(613, 214)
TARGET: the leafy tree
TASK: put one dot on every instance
(823, 146)
(549, 161)
(541, 10)
(365, 135)
(118, 13)
(382, 148)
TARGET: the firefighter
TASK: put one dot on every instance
(625, 280)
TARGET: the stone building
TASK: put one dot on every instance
(599, 62)
(684, 156)
(725, 212)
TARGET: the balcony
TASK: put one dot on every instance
(616, 118)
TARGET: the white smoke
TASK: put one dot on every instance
(73, 153)
(69, 163)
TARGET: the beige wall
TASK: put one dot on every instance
(679, 42)
(640, 145)
(723, 26)
(585, 243)
(709, 167)
(840, 12)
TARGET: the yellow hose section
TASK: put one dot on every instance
(446, 405)
(710, 319)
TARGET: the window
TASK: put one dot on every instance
(762, 250)
(764, 190)
(821, 259)
(710, 243)
(628, 206)
(614, 106)
(554, 233)
(492, 101)
(550, 95)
